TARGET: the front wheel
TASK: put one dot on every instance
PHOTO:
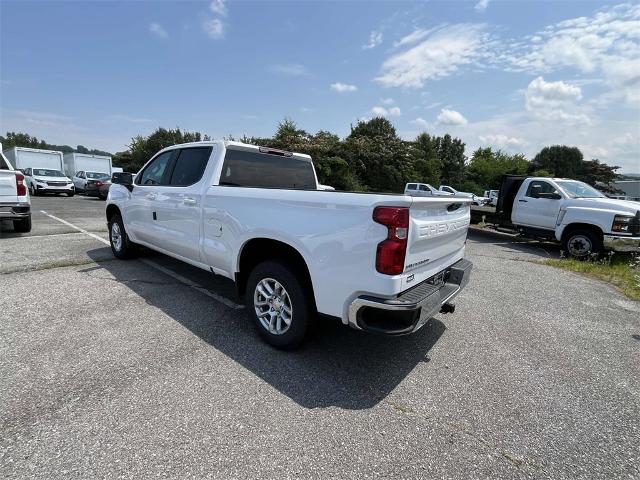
(279, 304)
(70, 194)
(121, 246)
(581, 244)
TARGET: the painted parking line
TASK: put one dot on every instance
(160, 268)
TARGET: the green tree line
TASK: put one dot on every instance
(374, 158)
(16, 139)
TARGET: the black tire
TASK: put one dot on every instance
(299, 302)
(70, 194)
(34, 192)
(122, 248)
(582, 244)
(23, 225)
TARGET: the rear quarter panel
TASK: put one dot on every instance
(333, 231)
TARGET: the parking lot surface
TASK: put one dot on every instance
(148, 368)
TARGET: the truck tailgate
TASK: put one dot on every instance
(8, 190)
(437, 235)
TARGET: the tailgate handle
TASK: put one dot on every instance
(523, 200)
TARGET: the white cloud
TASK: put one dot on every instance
(414, 37)
(386, 112)
(554, 101)
(502, 141)
(607, 42)
(214, 28)
(451, 117)
(158, 30)
(290, 69)
(379, 111)
(482, 5)
(218, 7)
(343, 87)
(387, 101)
(375, 39)
(421, 123)
(439, 55)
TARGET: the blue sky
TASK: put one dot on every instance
(515, 75)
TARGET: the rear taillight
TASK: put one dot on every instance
(391, 252)
(20, 186)
(99, 184)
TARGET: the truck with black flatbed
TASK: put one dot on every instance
(571, 212)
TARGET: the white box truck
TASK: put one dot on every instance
(22, 158)
(84, 162)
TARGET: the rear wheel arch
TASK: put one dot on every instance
(258, 250)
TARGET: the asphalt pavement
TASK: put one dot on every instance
(148, 368)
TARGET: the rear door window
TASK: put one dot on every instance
(154, 173)
(263, 170)
(189, 166)
(424, 188)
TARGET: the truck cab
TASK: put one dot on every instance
(492, 195)
(574, 213)
(423, 190)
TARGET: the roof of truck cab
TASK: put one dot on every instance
(227, 144)
(555, 179)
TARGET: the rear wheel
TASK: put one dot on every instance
(23, 225)
(70, 194)
(582, 244)
(279, 304)
(121, 246)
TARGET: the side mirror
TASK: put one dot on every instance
(124, 179)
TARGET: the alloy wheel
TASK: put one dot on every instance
(273, 306)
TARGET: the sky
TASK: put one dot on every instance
(513, 75)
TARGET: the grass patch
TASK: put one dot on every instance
(621, 270)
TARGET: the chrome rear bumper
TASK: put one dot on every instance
(412, 308)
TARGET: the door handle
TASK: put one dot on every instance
(189, 201)
(522, 200)
(150, 196)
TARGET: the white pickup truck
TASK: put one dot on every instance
(382, 263)
(15, 203)
(475, 200)
(569, 211)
